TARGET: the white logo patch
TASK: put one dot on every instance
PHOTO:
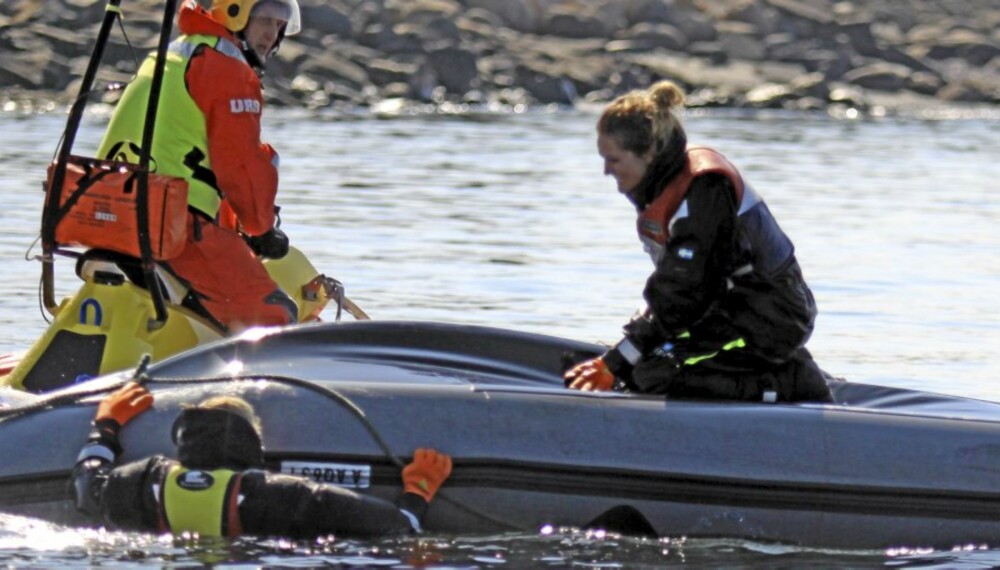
(237, 106)
(195, 480)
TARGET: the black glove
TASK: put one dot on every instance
(272, 244)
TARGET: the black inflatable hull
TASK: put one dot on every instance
(881, 468)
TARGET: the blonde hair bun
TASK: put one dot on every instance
(666, 95)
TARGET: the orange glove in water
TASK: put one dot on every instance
(425, 474)
(124, 404)
(590, 376)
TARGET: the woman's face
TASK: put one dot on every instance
(627, 167)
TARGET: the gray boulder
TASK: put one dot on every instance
(880, 76)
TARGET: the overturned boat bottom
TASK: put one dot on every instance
(496, 498)
(342, 404)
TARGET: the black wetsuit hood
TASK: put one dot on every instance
(215, 439)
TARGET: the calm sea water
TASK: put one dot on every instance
(506, 220)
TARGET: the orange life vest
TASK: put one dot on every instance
(762, 246)
(656, 219)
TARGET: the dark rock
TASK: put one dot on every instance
(481, 17)
(521, 15)
(92, 11)
(812, 85)
(439, 30)
(65, 42)
(969, 91)
(786, 47)
(925, 83)
(546, 88)
(879, 76)
(386, 71)
(56, 74)
(652, 36)
(695, 26)
(649, 11)
(713, 52)
(339, 91)
(39, 69)
(387, 40)
(741, 43)
(966, 45)
(803, 20)
(573, 24)
(832, 64)
(17, 73)
(327, 18)
(764, 19)
(333, 67)
(20, 13)
(893, 54)
(859, 36)
(456, 69)
(18, 41)
(905, 19)
(803, 10)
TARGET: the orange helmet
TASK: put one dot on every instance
(234, 14)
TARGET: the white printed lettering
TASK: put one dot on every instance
(237, 106)
(340, 474)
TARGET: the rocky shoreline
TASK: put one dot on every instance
(391, 55)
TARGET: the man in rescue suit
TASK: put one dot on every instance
(218, 487)
(208, 132)
(729, 312)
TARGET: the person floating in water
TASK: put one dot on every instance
(218, 485)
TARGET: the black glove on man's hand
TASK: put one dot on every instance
(273, 244)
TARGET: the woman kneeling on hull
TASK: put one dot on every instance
(728, 311)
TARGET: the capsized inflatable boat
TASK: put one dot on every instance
(344, 402)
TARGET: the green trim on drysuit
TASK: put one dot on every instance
(731, 345)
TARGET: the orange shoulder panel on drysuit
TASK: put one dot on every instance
(229, 93)
(654, 221)
(231, 284)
